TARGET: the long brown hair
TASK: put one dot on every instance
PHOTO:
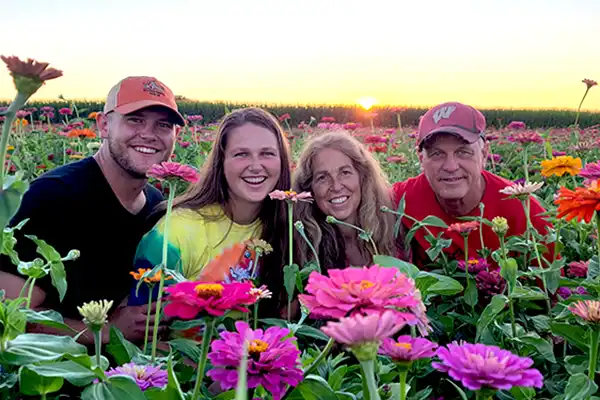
(212, 189)
(374, 194)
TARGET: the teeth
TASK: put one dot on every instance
(339, 200)
(256, 180)
(145, 150)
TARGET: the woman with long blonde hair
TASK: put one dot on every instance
(349, 185)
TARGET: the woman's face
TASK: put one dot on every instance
(336, 185)
(252, 164)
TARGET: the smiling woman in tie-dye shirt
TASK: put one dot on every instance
(229, 205)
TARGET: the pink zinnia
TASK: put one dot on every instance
(291, 196)
(273, 359)
(578, 269)
(407, 348)
(365, 290)
(145, 376)
(464, 228)
(589, 310)
(359, 329)
(65, 111)
(480, 366)
(591, 172)
(172, 170)
(475, 265)
(526, 137)
(188, 299)
(516, 125)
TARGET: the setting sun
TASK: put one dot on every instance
(367, 102)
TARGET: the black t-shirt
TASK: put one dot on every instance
(74, 207)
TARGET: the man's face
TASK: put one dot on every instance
(452, 166)
(138, 140)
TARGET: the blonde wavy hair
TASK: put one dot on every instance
(375, 193)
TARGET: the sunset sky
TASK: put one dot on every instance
(491, 53)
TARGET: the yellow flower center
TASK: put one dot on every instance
(473, 262)
(405, 346)
(206, 290)
(364, 285)
(257, 346)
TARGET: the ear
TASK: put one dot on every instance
(102, 125)
(177, 130)
(485, 150)
(420, 155)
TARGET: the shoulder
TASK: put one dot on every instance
(408, 186)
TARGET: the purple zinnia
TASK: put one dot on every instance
(146, 376)
(591, 172)
(273, 359)
(480, 366)
(475, 265)
(407, 348)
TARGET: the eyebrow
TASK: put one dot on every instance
(248, 149)
(323, 171)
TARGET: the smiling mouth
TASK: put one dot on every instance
(257, 180)
(451, 180)
(339, 200)
(145, 150)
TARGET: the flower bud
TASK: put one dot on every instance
(72, 255)
(500, 226)
(95, 313)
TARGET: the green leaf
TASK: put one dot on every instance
(400, 211)
(289, 278)
(33, 384)
(580, 387)
(48, 318)
(313, 387)
(576, 364)
(408, 269)
(461, 392)
(172, 391)
(432, 220)
(188, 347)
(311, 332)
(593, 269)
(229, 395)
(508, 270)
(445, 285)
(471, 295)
(541, 345)
(522, 393)
(541, 323)
(13, 322)
(30, 348)
(8, 381)
(337, 377)
(59, 278)
(120, 348)
(185, 325)
(45, 250)
(10, 197)
(528, 293)
(308, 268)
(73, 372)
(117, 387)
(490, 312)
(576, 335)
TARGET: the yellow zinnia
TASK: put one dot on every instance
(561, 165)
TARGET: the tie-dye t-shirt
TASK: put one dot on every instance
(194, 241)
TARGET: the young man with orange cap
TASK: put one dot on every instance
(452, 152)
(101, 206)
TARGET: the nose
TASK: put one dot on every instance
(450, 164)
(336, 185)
(255, 165)
(147, 131)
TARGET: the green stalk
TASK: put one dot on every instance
(337, 221)
(598, 235)
(537, 252)
(148, 319)
(210, 323)
(368, 368)
(513, 324)
(426, 230)
(466, 254)
(403, 375)
(22, 292)
(579, 108)
(320, 358)
(255, 316)
(10, 115)
(300, 230)
(291, 251)
(526, 163)
(594, 338)
(98, 345)
(31, 285)
(481, 207)
(172, 187)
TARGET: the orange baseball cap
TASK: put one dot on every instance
(136, 92)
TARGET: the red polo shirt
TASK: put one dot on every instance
(421, 202)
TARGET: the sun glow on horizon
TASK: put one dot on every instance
(367, 102)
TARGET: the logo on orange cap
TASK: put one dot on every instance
(154, 88)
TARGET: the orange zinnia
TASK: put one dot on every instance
(152, 279)
(580, 203)
(82, 133)
(560, 165)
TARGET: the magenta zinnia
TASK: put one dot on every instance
(407, 348)
(145, 376)
(366, 290)
(171, 170)
(273, 359)
(480, 366)
(475, 265)
(188, 299)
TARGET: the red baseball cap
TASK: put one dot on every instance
(137, 92)
(455, 118)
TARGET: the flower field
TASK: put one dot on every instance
(494, 325)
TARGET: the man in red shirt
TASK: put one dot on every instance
(452, 152)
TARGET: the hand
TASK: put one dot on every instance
(131, 321)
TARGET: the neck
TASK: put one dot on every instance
(349, 234)
(242, 213)
(129, 190)
(460, 207)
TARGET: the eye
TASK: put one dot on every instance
(240, 154)
(135, 120)
(165, 125)
(269, 153)
(346, 172)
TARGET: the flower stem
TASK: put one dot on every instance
(172, 187)
(368, 368)
(255, 316)
(598, 234)
(291, 251)
(210, 324)
(10, 115)
(594, 338)
(579, 108)
(31, 285)
(537, 252)
(361, 231)
(148, 319)
(24, 288)
(320, 358)
(98, 345)
(526, 163)
(513, 324)
(403, 375)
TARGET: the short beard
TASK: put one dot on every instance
(123, 161)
